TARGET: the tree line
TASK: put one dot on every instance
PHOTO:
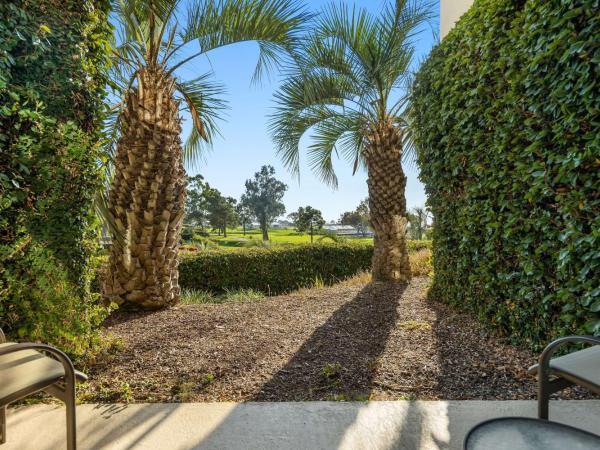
(261, 202)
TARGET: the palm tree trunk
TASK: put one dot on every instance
(147, 198)
(387, 204)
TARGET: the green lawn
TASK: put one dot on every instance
(236, 238)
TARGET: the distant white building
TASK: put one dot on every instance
(279, 224)
(346, 230)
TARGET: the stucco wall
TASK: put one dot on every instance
(450, 12)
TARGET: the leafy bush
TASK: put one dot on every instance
(272, 270)
(416, 245)
(506, 115)
(187, 234)
(52, 80)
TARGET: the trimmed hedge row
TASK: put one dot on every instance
(273, 270)
(506, 114)
(257, 267)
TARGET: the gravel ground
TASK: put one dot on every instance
(350, 341)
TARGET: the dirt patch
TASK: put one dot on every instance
(346, 342)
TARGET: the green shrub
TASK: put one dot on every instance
(53, 62)
(187, 234)
(506, 121)
(416, 245)
(272, 270)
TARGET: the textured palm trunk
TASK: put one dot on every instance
(147, 198)
(387, 204)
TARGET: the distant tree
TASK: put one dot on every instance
(195, 202)
(221, 210)
(263, 197)
(307, 219)
(418, 221)
(245, 214)
(359, 218)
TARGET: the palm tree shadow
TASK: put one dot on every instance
(340, 359)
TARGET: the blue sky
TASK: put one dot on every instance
(245, 144)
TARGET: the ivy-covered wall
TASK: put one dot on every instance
(506, 116)
(53, 64)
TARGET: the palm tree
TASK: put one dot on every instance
(145, 204)
(349, 90)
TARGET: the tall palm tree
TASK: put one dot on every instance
(349, 91)
(145, 204)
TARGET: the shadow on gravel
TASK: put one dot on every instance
(318, 371)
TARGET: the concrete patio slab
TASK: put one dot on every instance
(304, 425)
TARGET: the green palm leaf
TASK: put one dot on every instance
(350, 74)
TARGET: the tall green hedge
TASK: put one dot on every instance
(273, 270)
(53, 63)
(506, 115)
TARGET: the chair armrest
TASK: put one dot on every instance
(58, 354)
(544, 360)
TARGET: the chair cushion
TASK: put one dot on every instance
(581, 367)
(25, 372)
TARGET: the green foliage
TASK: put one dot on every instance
(245, 215)
(52, 79)
(195, 297)
(414, 245)
(308, 219)
(348, 79)
(221, 211)
(151, 35)
(195, 201)
(206, 204)
(272, 270)
(263, 197)
(506, 123)
(192, 292)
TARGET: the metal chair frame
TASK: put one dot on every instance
(63, 388)
(546, 386)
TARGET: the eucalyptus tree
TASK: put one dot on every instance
(146, 200)
(348, 91)
(263, 197)
(195, 202)
(221, 210)
(244, 213)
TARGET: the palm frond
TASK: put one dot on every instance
(203, 98)
(328, 136)
(352, 72)
(304, 101)
(277, 26)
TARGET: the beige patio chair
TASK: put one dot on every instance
(578, 368)
(28, 368)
